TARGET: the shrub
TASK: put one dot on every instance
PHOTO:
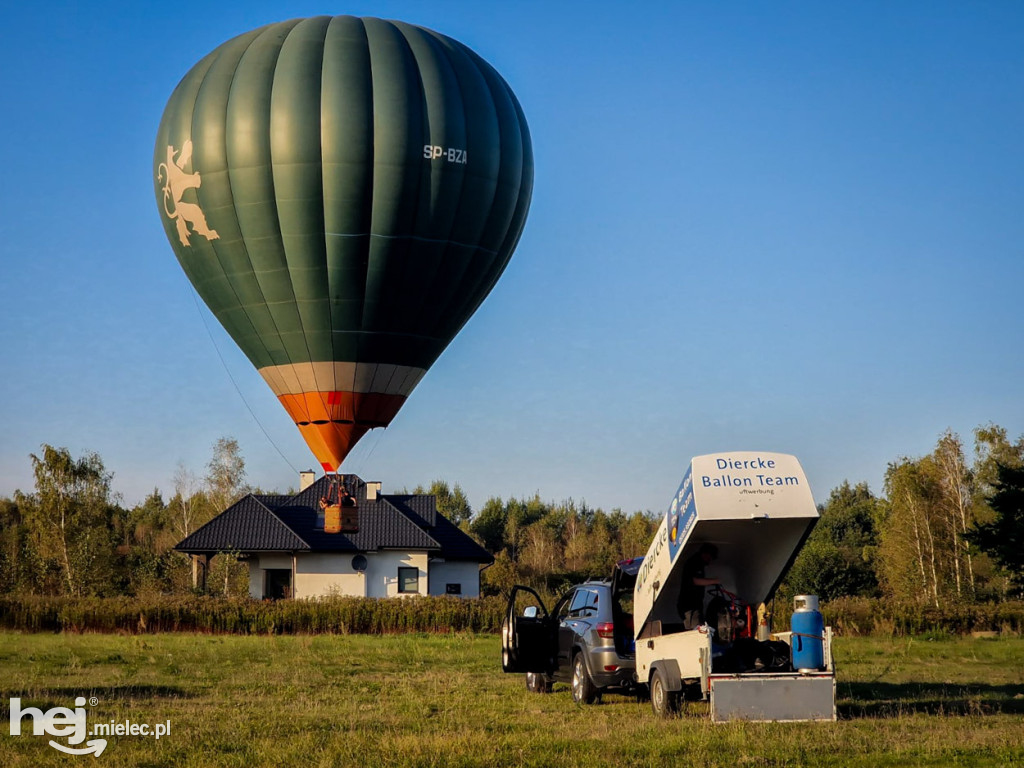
(366, 615)
(197, 613)
(875, 616)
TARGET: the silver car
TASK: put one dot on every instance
(586, 640)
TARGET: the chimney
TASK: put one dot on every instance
(306, 479)
(373, 490)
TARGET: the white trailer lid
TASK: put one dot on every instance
(756, 507)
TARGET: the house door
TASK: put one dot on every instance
(279, 583)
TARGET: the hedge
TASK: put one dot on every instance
(331, 615)
(361, 615)
(880, 617)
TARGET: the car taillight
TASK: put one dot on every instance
(605, 629)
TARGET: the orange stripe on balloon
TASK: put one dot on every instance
(371, 409)
(331, 442)
(332, 422)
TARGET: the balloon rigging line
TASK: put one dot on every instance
(195, 298)
(359, 455)
(374, 442)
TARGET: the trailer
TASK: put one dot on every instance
(757, 510)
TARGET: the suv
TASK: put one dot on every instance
(586, 640)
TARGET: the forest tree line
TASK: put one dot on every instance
(947, 528)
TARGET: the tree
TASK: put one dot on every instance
(19, 566)
(451, 501)
(225, 474)
(992, 450)
(636, 535)
(501, 576)
(519, 516)
(1003, 537)
(838, 558)
(910, 548)
(541, 552)
(489, 525)
(956, 483)
(184, 514)
(69, 518)
(933, 504)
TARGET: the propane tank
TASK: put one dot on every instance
(808, 638)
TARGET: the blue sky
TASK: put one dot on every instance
(755, 226)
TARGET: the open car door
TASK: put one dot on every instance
(623, 581)
(529, 634)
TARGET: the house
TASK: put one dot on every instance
(403, 546)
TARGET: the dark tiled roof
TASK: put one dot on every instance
(273, 501)
(456, 545)
(388, 522)
(381, 526)
(247, 525)
(421, 509)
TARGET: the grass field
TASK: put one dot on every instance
(429, 700)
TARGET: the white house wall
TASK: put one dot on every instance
(328, 574)
(444, 573)
(323, 574)
(382, 572)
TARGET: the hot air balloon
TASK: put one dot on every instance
(343, 193)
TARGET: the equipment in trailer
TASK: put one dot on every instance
(755, 510)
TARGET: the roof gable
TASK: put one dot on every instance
(248, 525)
(422, 510)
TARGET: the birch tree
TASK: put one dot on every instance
(956, 484)
(909, 553)
(225, 474)
(68, 516)
(183, 506)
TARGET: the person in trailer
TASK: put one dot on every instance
(691, 596)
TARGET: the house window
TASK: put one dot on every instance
(409, 580)
(453, 589)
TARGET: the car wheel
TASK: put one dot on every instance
(537, 683)
(583, 689)
(663, 701)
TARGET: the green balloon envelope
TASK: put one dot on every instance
(343, 193)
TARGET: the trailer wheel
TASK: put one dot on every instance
(663, 701)
(583, 689)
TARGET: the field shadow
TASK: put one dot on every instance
(63, 696)
(879, 699)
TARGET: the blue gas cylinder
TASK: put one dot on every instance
(808, 639)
